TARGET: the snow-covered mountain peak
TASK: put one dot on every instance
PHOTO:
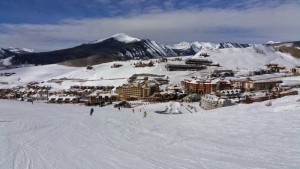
(6, 52)
(20, 50)
(122, 37)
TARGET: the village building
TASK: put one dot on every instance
(198, 61)
(283, 91)
(256, 97)
(274, 67)
(209, 101)
(221, 73)
(181, 67)
(295, 70)
(205, 86)
(255, 85)
(160, 79)
(63, 99)
(116, 65)
(174, 87)
(100, 97)
(137, 90)
(166, 96)
(231, 93)
(162, 59)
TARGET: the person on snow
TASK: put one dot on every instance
(132, 110)
(119, 108)
(92, 111)
(145, 114)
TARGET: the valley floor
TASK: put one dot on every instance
(51, 136)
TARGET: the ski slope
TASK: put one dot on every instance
(51, 136)
(253, 57)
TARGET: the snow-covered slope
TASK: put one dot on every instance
(101, 74)
(185, 48)
(247, 59)
(195, 46)
(252, 57)
(51, 136)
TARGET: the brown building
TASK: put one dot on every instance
(206, 86)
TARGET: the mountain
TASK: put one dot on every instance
(117, 47)
(292, 48)
(7, 52)
(124, 47)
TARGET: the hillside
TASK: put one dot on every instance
(114, 48)
(292, 48)
(238, 59)
(65, 136)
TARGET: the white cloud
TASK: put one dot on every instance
(258, 24)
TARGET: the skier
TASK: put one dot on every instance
(145, 114)
(132, 110)
(92, 111)
(119, 108)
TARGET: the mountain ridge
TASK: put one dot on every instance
(123, 47)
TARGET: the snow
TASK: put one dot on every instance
(101, 74)
(51, 136)
(272, 42)
(6, 61)
(196, 46)
(252, 57)
(241, 59)
(20, 50)
(25, 75)
(122, 37)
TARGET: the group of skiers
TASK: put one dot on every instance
(92, 111)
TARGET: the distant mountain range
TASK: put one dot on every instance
(7, 52)
(122, 47)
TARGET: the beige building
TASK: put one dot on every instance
(137, 90)
(261, 84)
(295, 70)
(255, 85)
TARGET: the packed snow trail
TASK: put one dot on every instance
(51, 136)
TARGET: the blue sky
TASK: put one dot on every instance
(55, 24)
